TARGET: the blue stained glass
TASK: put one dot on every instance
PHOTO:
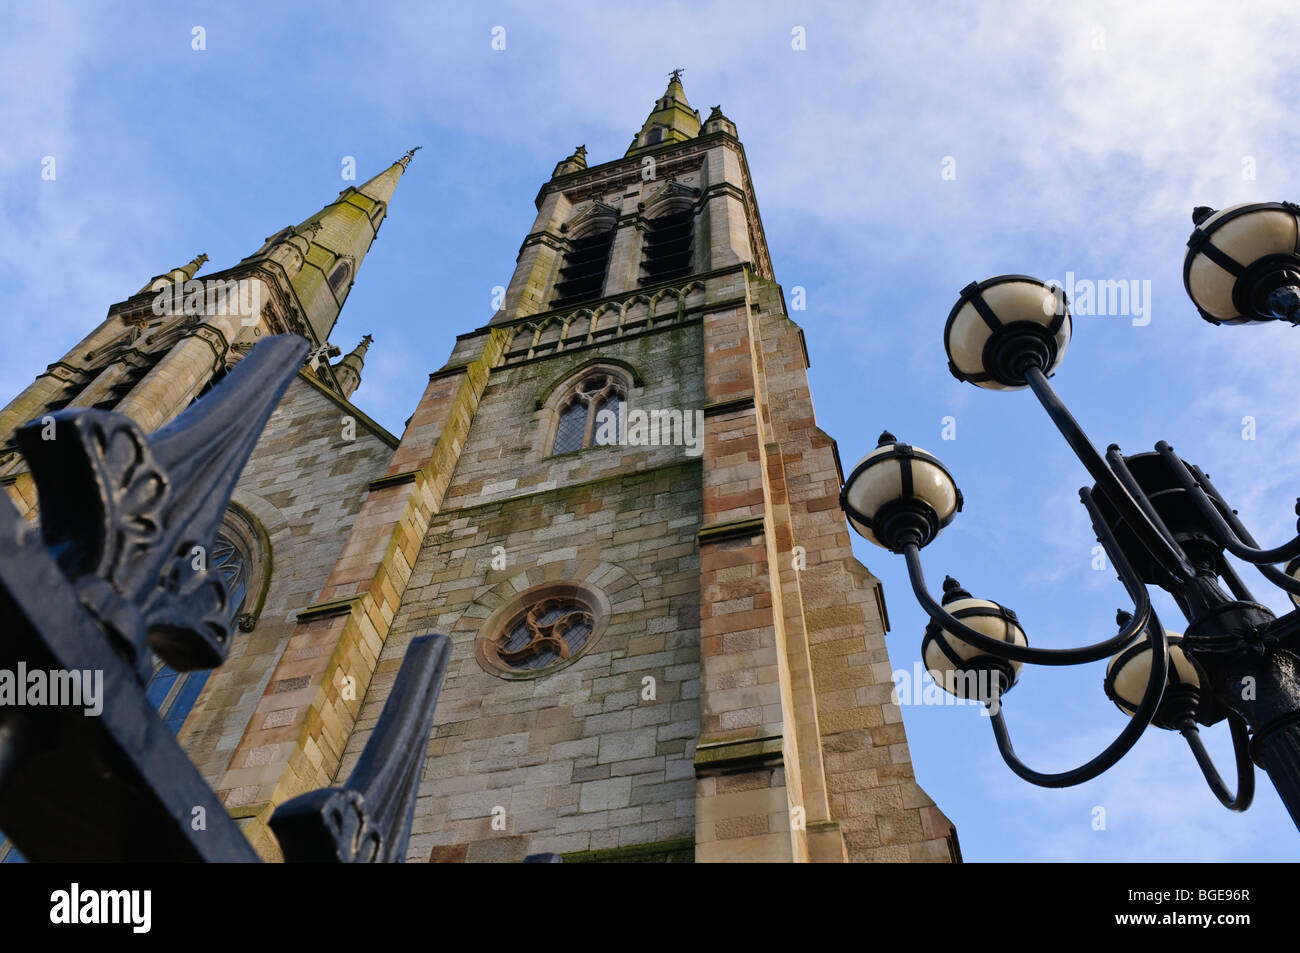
(160, 685)
(185, 699)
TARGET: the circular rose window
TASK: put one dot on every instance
(545, 630)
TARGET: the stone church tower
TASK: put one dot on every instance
(615, 499)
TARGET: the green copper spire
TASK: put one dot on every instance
(323, 253)
(672, 119)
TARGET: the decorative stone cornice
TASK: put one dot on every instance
(735, 529)
(397, 479)
(579, 327)
(62, 371)
(454, 369)
(746, 754)
(629, 167)
(545, 238)
(328, 610)
(676, 158)
(671, 159)
(597, 303)
(729, 406)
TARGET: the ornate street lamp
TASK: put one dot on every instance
(1243, 263)
(1159, 519)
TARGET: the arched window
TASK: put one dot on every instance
(668, 246)
(582, 276)
(591, 414)
(136, 371)
(339, 277)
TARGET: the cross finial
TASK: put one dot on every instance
(676, 75)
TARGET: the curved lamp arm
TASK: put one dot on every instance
(1280, 579)
(1232, 538)
(1024, 653)
(1116, 749)
(1166, 552)
(1271, 573)
(1240, 748)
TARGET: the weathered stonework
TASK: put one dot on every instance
(592, 756)
(795, 748)
(303, 485)
(731, 700)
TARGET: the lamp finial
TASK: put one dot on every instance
(952, 591)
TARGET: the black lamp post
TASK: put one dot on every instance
(1159, 519)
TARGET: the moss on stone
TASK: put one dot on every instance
(681, 851)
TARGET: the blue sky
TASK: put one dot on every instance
(1081, 134)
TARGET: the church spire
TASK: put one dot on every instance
(671, 120)
(348, 371)
(177, 275)
(323, 253)
(574, 163)
(378, 190)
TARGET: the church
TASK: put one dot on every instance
(614, 498)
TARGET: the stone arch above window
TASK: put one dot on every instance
(671, 198)
(593, 219)
(547, 628)
(587, 410)
(669, 243)
(242, 552)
